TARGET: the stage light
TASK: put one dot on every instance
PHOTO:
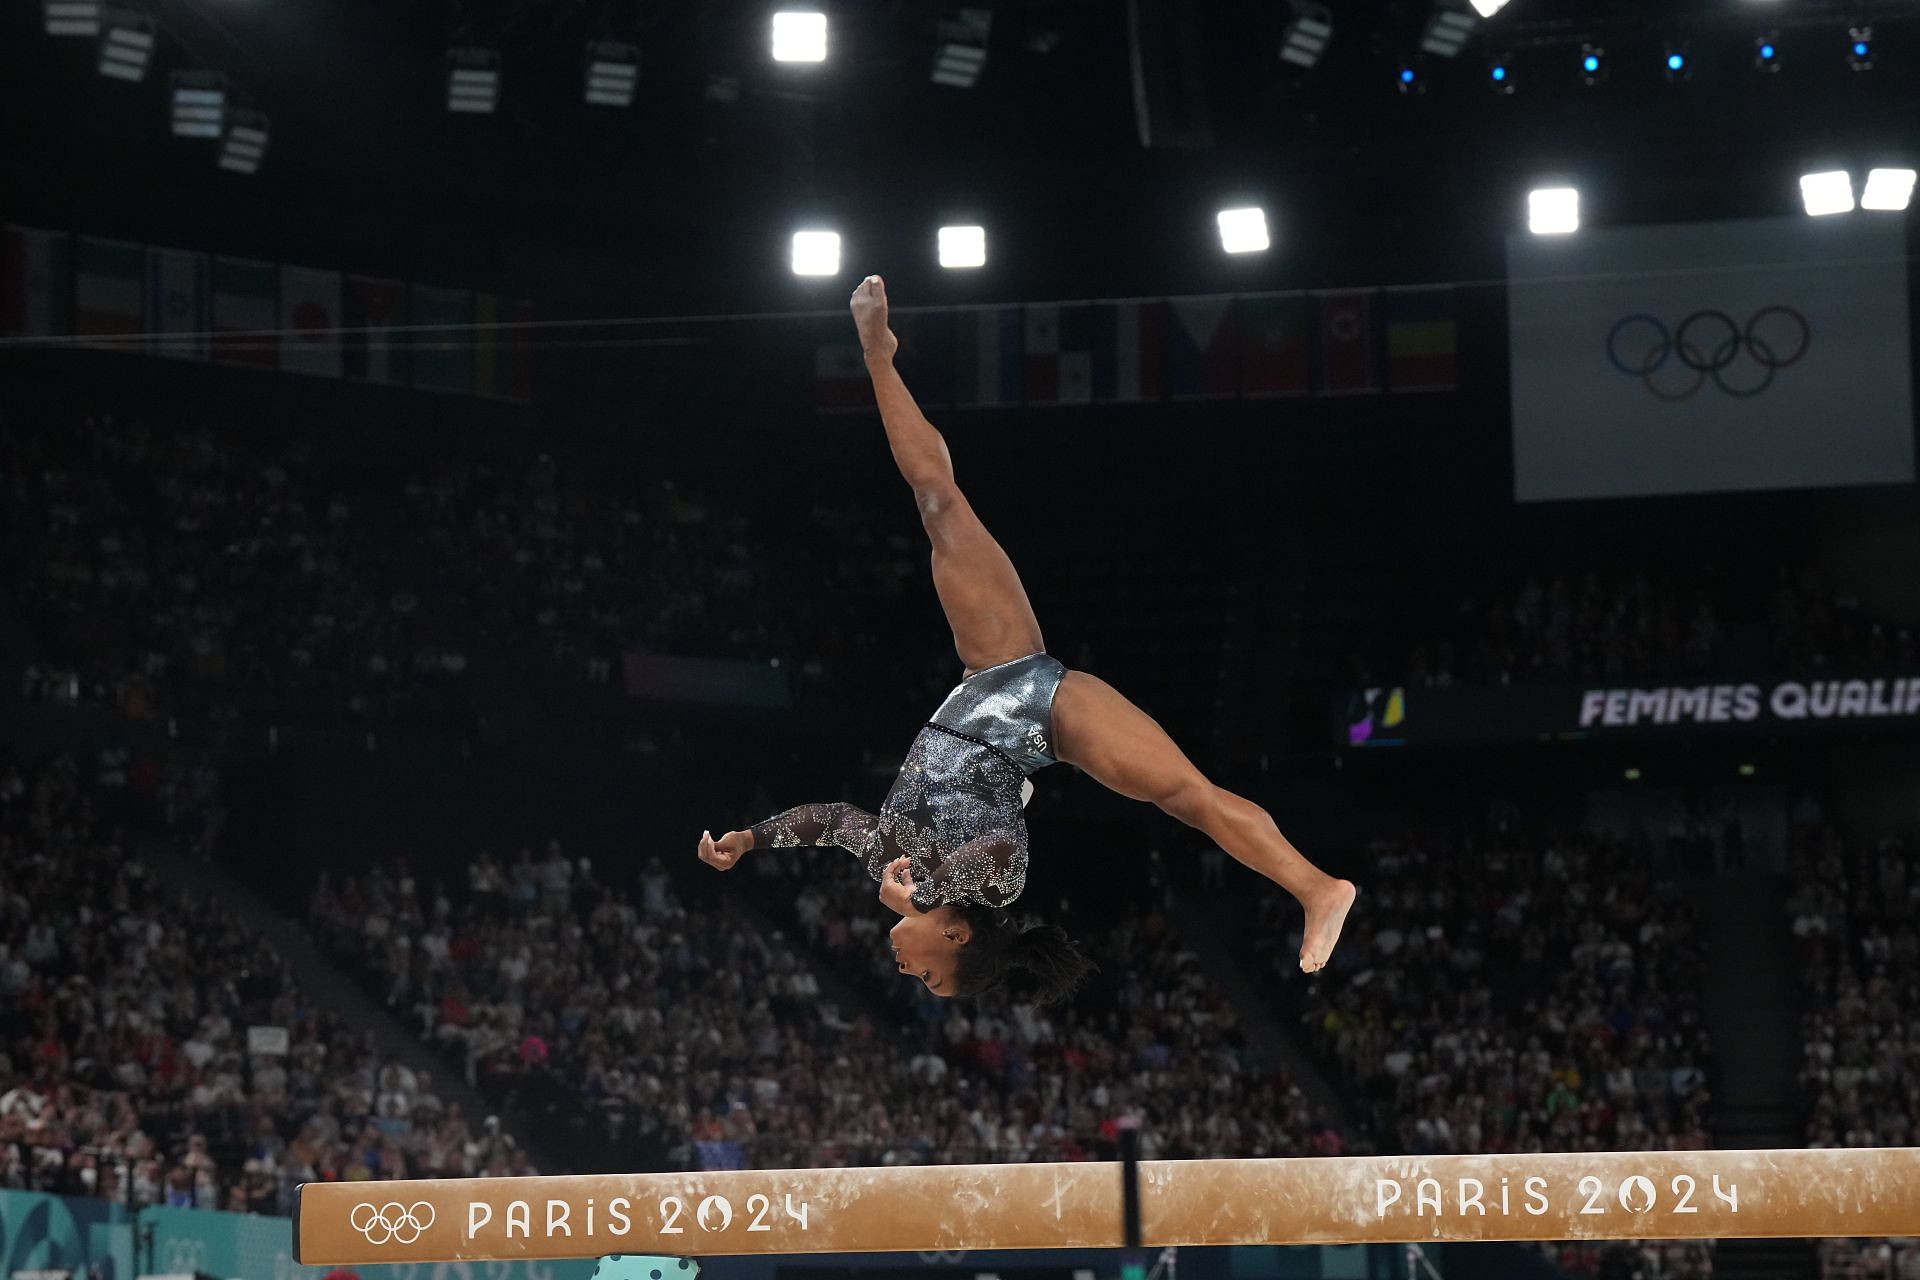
(1678, 66)
(1827, 193)
(1889, 189)
(1860, 48)
(73, 17)
(126, 45)
(961, 52)
(799, 36)
(245, 144)
(1553, 211)
(963, 247)
(1487, 8)
(473, 81)
(1593, 63)
(1766, 53)
(1307, 35)
(612, 72)
(1500, 75)
(816, 253)
(1243, 230)
(1447, 31)
(199, 104)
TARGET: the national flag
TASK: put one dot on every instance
(310, 321)
(925, 357)
(373, 349)
(1203, 350)
(488, 311)
(1059, 353)
(1129, 360)
(179, 304)
(840, 382)
(443, 348)
(1349, 343)
(1274, 350)
(246, 311)
(1423, 339)
(988, 367)
(109, 287)
(39, 297)
(520, 354)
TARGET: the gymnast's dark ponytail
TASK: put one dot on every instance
(1037, 961)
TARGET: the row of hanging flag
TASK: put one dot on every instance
(1344, 342)
(188, 305)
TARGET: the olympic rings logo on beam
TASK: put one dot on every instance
(1707, 346)
(391, 1223)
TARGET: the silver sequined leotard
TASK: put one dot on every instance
(955, 808)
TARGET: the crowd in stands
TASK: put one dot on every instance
(1853, 914)
(184, 573)
(1512, 994)
(700, 1036)
(152, 1051)
(1595, 627)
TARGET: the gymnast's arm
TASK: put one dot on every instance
(838, 824)
(989, 869)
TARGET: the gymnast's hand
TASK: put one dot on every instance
(723, 853)
(869, 307)
(896, 887)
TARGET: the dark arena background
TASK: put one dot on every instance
(440, 479)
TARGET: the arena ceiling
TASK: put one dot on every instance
(684, 200)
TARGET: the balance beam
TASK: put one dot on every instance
(1347, 1200)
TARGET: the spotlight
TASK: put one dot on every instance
(1500, 75)
(1308, 35)
(1487, 8)
(816, 253)
(1766, 53)
(1447, 31)
(1243, 230)
(961, 52)
(1593, 63)
(1860, 48)
(1409, 80)
(245, 144)
(612, 72)
(1890, 189)
(126, 45)
(473, 81)
(799, 36)
(73, 17)
(1827, 193)
(963, 247)
(1678, 66)
(199, 104)
(1553, 211)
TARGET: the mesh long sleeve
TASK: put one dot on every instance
(839, 824)
(989, 869)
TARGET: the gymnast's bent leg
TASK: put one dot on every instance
(979, 590)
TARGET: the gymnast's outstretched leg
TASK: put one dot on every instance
(979, 590)
(1123, 748)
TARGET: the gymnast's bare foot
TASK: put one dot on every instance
(1326, 913)
(869, 306)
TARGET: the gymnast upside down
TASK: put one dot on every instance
(949, 845)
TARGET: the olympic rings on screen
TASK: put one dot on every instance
(1709, 344)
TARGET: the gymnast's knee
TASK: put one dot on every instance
(1193, 801)
(937, 500)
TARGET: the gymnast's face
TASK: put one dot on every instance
(927, 947)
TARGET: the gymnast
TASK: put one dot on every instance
(949, 845)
